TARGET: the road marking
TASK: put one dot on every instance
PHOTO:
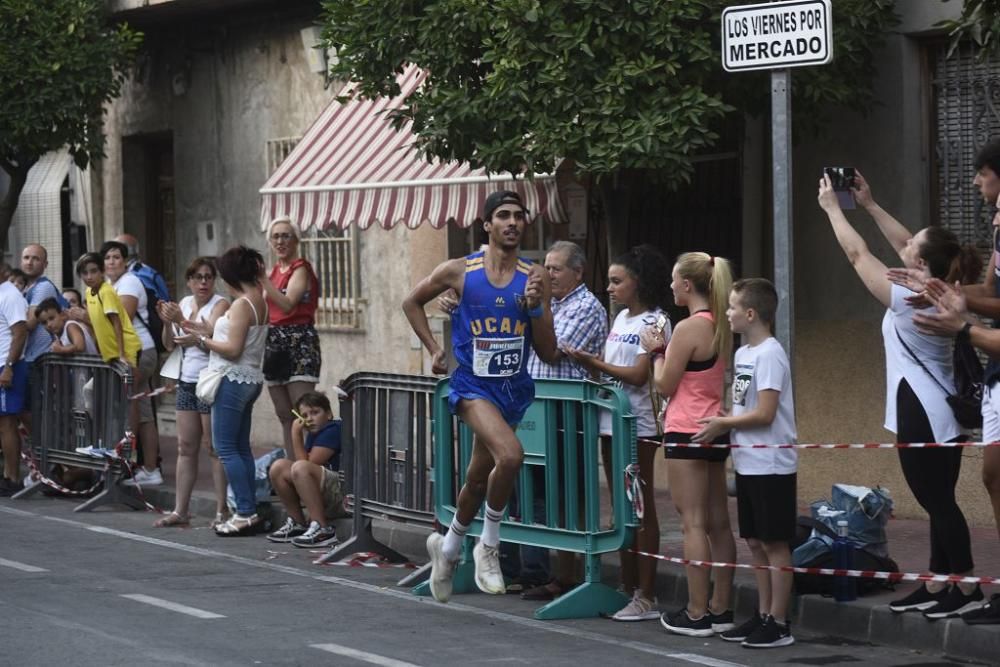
(363, 656)
(23, 567)
(172, 606)
(541, 626)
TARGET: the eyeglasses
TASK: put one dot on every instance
(202, 277)
(505, 215)
(282, 236)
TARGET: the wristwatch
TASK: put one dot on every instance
(201, 340)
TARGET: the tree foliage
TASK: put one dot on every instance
(613, 85)
(979, 22)
(60, 62)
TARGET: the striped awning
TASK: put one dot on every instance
(353, 167)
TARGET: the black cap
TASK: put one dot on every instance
(498, 199)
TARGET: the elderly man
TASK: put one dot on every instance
(34, 261)
(13, 379)
(580, 322)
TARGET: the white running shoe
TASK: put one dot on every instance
(145, 478)
(442, 569)
(638, 609)
(488, 575)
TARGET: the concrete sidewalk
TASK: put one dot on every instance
(867, 619)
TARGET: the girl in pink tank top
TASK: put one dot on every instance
(690, 372)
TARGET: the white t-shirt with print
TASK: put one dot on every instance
(755, 369)
(621, 349)
(129, 285)
(13, 309)
(935, 352)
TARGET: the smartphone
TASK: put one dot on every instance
(842, 179)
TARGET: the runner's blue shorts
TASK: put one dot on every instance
(510, 396)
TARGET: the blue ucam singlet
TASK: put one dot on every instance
(490, 335)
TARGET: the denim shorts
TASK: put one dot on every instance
(187, 400)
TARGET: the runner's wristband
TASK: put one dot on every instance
(964, 333)
(537, 311)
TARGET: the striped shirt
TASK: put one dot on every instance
(581, 322)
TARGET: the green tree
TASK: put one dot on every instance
(979, 22)
(60, 62)
(615, 86)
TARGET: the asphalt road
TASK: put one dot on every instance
(106, 588)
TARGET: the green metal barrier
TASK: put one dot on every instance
(559, 433)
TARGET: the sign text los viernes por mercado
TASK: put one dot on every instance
(777, 35)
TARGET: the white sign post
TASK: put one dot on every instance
(778, 36)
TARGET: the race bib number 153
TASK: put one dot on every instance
(497, 357)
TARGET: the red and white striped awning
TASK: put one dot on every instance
(352, 167)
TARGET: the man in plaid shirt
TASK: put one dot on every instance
(581, 322)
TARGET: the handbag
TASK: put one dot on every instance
(209, 380)
(966, 404)
(171, 369)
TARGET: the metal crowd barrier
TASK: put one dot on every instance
(560, 435)
(386, 447)
(81, 401)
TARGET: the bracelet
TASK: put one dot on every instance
(537, 311)
(201, 341)
(964, 333)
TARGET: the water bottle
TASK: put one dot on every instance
(843, 559)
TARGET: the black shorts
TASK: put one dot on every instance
(710, 454)
(767, 507)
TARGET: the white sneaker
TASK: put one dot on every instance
(442, 569)
(638, 609)
(488, 575)
(143, 477)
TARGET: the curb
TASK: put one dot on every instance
(865, 620)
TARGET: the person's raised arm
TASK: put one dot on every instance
(298, 285)
(868, 267)
(668, 367)
(636, 374)
(893, 230)
(447, 275)
(298, 441)
(538, 294)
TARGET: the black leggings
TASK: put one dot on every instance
(932, 475)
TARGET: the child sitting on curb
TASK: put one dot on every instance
(312, 478)
(763, 413)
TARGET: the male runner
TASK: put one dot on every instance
(504, 304)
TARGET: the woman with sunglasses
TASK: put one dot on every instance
(292, 359)
(193, 420)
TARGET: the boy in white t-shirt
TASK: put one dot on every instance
(763, 413)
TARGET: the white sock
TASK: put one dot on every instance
(452, 546)
(491, 526)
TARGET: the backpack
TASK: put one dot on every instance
(968, 378)
(821, 584)
(156, 291)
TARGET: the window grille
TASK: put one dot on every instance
(966, 112)
(277, 151)
(334, 256)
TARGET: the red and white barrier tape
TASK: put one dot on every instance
(39, 478)
(365, 559)
(864, 445)
(891, 577)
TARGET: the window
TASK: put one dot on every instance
(334, 256)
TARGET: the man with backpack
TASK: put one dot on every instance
(34, 261)
(152, 281)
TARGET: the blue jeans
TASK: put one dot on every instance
(231, 414)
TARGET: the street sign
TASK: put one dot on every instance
(777, 35)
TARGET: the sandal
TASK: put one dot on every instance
(220, 518)
(239, 526)
(172, 519)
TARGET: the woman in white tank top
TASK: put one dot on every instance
(193, 420)
(236, 349)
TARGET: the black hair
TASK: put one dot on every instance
(197, 264)
(314, 399)
(239, 265)
(18, 273)
(108, 246)
(948, 259)
(79, 297)
(650, 269)
(48, 304)
(759, 295)
(988, 156)
(89, 258)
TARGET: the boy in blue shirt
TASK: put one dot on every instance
(763, 413)
(312, 478)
